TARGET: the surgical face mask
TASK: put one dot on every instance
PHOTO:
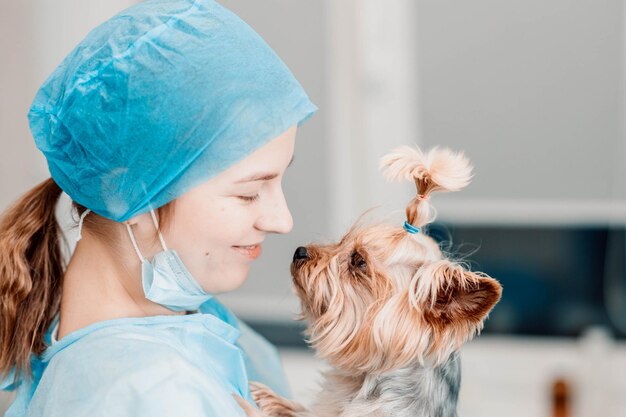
(165, 279)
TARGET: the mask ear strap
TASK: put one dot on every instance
(156, 225)
(80, 224)
(132, 239)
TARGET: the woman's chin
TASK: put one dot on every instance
(229, 283)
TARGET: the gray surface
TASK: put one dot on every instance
(532, 90)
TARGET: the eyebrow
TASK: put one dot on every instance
(262, 176)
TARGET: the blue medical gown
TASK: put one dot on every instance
(151, 366)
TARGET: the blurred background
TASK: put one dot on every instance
(533, 91)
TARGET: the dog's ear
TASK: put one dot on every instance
(450, 296)
(446, 307)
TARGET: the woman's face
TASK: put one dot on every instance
(218, 228)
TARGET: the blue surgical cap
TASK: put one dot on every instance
(158, 99)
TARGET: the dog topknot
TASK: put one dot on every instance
(437, 170)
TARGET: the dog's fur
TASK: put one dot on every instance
(387, 310)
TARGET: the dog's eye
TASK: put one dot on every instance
(357, 261)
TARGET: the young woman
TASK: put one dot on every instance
(170, 126)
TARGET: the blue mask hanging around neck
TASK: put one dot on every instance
(165, 278)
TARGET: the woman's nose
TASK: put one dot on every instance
(284, 222)
(277, 217)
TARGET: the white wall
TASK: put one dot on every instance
(533, 91)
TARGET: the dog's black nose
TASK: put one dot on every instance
(300, 254)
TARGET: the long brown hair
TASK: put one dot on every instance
(31, 271)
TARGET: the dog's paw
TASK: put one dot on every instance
(273, 404)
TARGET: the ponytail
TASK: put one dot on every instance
(31, 270)
(435, 170)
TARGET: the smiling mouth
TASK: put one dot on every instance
(250, 252)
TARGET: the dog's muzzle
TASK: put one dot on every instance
(300, 254)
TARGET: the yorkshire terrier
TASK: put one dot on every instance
(387, 310)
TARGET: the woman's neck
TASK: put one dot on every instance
(97, 286)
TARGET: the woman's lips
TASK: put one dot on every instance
(250, 252)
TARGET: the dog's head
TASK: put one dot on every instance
(383, 298)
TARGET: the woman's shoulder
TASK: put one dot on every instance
(118, 350)
(114, 371)
(139, 340)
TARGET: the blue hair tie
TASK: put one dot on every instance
(410, 228)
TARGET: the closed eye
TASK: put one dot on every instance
(248, 198)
